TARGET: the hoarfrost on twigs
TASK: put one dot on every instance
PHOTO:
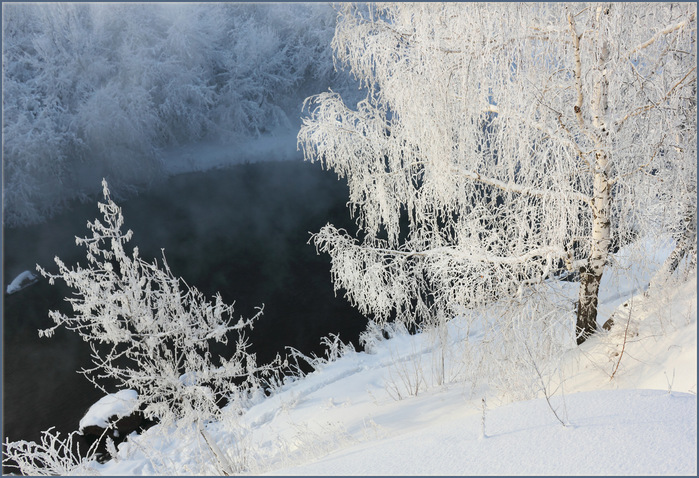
(149, 331)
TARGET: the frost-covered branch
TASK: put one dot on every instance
(519, 189)
(645, 108)
(53, 456)
(669, 29)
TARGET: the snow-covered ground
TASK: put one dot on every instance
(627, 432)
(119, 404)
(627, 398)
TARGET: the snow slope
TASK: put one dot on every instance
(626, 432)
(627, 398)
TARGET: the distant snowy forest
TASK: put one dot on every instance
(93, 92)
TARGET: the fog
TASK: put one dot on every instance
(107, 90)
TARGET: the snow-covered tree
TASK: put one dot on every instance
(151, 332)
(499, 143)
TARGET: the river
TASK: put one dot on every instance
(241, 231)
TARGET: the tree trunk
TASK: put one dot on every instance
(591, 274)
(586, 323)
(600, 241)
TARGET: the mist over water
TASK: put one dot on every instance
(95, 90)
(241, 231)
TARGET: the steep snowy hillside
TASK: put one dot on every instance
(623, 403)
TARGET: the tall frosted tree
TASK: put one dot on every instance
(498, 144)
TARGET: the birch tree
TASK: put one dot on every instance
(498, 144)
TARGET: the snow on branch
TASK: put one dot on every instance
(669, 29)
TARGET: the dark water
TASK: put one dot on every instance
(241, 231)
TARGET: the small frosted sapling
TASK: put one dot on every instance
(149, 331)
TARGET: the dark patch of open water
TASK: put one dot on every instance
(240, 231)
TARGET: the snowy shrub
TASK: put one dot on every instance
(150, 332)
(53, 456)
(334, 349)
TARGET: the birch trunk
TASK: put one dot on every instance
(591, 275)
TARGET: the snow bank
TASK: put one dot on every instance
(121, 404)
(628, 413)
(23, 280)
